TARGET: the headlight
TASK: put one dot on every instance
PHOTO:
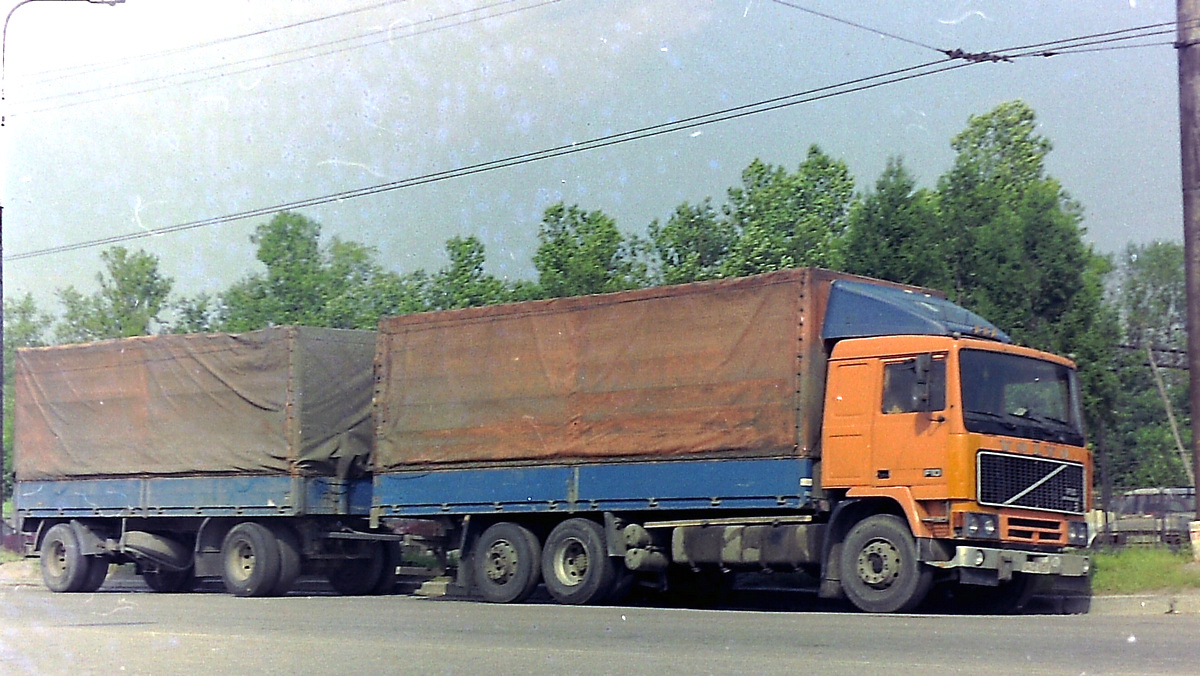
(981, 526)
(1077, 533)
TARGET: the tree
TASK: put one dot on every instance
(1013, 240)
(693, 243)
(787, 220)
(894, 233)
(340, 285)
(1149, 298)
(463, 283)
(132, 295)
(582, 253)
(1152, 296)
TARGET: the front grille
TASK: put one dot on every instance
(1007, 480)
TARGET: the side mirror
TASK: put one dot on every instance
(923, 365)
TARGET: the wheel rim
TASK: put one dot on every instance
(500, 562)
(243, 561)
(571, 563)
(57, 558)
(879, 564)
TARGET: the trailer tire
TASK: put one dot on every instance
(250, 560)
(387, 576)
(507, 563)
(289, 558)
(575, 563)
(879, 567)
(64, 567)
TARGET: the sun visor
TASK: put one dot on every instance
(860, 310)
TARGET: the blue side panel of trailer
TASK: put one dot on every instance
(624, 486)
(257, 496)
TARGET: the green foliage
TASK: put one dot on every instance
(1152, 296)
(338, 286)
(1143, 569)
(132, 295)
(581, 252)
(463, 283)
(692, 245)
(894, 232)
(787, 220)
(1149, 307)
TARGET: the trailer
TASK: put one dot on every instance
(235, 456)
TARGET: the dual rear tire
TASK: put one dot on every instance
(509, 562)
(65, 568)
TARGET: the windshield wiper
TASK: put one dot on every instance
(1008, 424)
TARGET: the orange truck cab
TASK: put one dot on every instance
(976, 446)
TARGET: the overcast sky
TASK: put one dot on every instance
(146, 115)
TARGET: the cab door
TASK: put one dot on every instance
(910, 434)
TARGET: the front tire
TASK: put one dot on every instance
(506, 563)
(575, 563)
(879, 567)
(250, 560)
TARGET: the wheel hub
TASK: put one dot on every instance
(878, 564)
(500, 561)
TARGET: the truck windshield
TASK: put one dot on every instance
(1020, 397)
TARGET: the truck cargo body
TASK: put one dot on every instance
(179, 438)
(687, 431)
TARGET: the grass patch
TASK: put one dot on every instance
(1134, 570)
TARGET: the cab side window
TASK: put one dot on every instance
(905, 386)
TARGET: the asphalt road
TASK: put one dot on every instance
(135, 632)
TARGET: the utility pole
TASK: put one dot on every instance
(1187, 44)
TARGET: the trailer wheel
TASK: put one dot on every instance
(64, 567)
(387, 576)
(879, 567)
(576, 565)
(289, 558)
(506, 563)
(250, 560)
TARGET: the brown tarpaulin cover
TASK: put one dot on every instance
(723, 368)
(288, 400)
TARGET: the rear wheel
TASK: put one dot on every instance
(64, 567)
(97, 572)
(289, 558)
(576, 565)
(879, 568)
(506, 563)
(250, 560)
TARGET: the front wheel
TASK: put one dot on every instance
(576, 565)
(879, 568)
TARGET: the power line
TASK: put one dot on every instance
(168, 81)
(777, 103)
(87, 69)
(767, 105)
(847, 22)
